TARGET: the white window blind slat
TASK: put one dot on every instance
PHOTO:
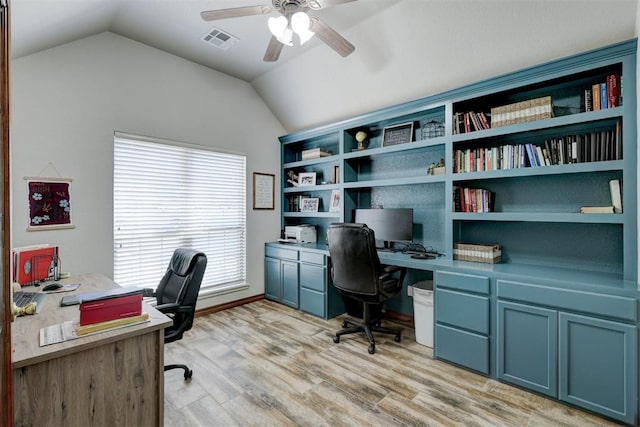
(168, 196)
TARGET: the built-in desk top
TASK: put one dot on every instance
(25, 330)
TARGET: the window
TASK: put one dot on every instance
(168, 195)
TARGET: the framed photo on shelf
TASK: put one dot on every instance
(334, 205)
(306, 178)
(397, 134)
(263, 191)
(309, 204)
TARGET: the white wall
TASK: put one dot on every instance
(417, 48)
(67, 102)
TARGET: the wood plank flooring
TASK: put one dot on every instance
(264, 364)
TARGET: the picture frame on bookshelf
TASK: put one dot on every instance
(397, 134)
(309, 204)
(306, 178)
(334, 205)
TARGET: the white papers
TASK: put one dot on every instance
(58, 333)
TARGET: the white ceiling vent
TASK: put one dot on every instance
(220, 39)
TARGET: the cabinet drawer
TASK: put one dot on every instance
(463, 282)
(593, 303)
(281, 253)
(462, 348)
(312, 302)
(313, 277)
(463, 310)
(312, 257)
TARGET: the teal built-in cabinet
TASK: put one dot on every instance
(559, 314)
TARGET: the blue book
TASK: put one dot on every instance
(603, 96)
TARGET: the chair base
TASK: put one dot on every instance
(368, 327)
(188, 373)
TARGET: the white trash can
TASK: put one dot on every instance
(423, 312)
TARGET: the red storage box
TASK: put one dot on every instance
(109, 305)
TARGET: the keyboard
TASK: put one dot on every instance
(22, 298)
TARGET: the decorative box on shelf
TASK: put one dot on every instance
(488, 254)
(521, 112)
(315, 153)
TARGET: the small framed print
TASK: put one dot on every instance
(49, 203)
(309, 204)
(263, 190)
(334, 205)
(397, 134)
(306, 178)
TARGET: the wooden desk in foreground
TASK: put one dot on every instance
(113, 378)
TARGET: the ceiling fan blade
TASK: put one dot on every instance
(235, 12)
(273, 50)
(331, 37)
(321, 4)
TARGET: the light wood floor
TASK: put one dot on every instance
(264, 364)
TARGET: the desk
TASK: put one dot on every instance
(113, 378)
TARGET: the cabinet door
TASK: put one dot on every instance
(272, 279)
(289, 276)
(598, 365)
(527, 346)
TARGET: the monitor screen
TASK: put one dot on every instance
(389, 225)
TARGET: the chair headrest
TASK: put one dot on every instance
(183, 260)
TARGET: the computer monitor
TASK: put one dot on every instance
(389, 224)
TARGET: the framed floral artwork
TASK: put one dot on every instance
(49, 203)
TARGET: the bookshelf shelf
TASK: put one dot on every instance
(611, 165)
(540, 217)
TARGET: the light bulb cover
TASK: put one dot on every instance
(287, 37)
(300, 23)
(277, 26)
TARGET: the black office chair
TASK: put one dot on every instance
(357, 273)
(177, 293)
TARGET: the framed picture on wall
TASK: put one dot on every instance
(49, 203)
(263, 191)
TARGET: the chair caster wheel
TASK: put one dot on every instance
(372, 349)
(397, 338)
(345, 324)
(336, 339)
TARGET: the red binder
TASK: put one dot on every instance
(35, 263)
(113, 304)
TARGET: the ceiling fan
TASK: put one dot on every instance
(293, 19)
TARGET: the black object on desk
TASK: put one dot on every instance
(423, 256)
(69, 300)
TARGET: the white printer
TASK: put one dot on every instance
(304, 233)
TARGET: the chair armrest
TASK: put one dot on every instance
(170, 307)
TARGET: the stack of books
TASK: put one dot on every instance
(109, 309)
(315, 153)
(615, 187)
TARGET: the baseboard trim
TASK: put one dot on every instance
(220, 307)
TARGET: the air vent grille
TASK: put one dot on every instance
(220, 39)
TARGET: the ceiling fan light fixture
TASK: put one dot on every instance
(277, 26)
(287, 37)
(300, 23)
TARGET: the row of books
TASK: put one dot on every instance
(473, 200)
(584, 148)
(607, 94)
(470, 121)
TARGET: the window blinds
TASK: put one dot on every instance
(167, 196)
